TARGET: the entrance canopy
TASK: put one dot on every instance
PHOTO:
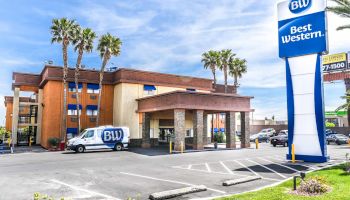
(210, 102)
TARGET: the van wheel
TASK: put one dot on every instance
(80, 149)
(118, 147)
(274, 144)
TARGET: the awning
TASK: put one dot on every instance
(72, 130)
(72, 85)
(91, 107)
(93, 86)
(149, 87)
(216, 130)
(73, 107)
(222, 129)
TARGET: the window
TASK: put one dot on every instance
(73, 119)
(89, 134)
(91, 112)
(93, 97)
(92, 119)
(71, 87)
(93, 88)
(93, 91)
(72, 112)
(189, 133)
(74, 96)
(149, 89)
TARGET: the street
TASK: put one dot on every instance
(137, 173)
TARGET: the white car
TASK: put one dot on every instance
(269, 131)
(103, 137)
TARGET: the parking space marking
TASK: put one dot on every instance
(266, 168)
(282, 165)
(84, 190)
(226, 168)
(189, 166)
(304, 165)
(205, 171)
(169, 181)
(208, 168)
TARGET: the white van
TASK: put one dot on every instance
(103, 137)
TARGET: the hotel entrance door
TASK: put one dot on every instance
(165, 134)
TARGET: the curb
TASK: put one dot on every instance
(241, 180)
(177, 192)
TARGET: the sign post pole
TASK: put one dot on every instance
(302, 40)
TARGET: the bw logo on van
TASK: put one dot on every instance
(302, 27)
(112, 135)
(298, 6)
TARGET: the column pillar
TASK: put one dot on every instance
(198, 129)
(205, 129)
(15, 113)
(245, 130)
(39, 118)
(230, 130)
(179, 127)
(146, 125)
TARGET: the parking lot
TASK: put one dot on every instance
(138, 173)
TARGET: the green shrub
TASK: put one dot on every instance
(347, 163)
(53, 142)
(219, 137)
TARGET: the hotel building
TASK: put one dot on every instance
(155, 106)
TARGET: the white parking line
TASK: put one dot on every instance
(189, 167)
(170, 181)
(266, 168)
(226, 168)
(207, 166)
(304, 165)
(84, 190)
(243, 165)
(205, 171)
(282, 165)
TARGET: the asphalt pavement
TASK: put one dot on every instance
(137, 173)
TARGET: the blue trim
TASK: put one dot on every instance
(91, 107)
(315, 159)
(149, 87)
(222, 129)
(216, 130)
(319, 107)
(74, 107)
(93, 86)
(290, 106)
(72, 85)
(72, 130)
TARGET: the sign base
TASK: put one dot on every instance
(306, 158)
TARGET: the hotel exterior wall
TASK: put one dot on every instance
(125, 106)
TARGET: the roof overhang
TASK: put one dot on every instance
(212, 102)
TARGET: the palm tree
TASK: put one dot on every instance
(225, 56)
(237, 67)
(62, 31)
(108, 46)
(211, 59)
(83, 41)
(345, 106)
(343, 10)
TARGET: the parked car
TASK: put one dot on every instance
(330, 132)
(262, 137)
(280, 139)
(103, 137)
(269, 131)
(337, 139)
(1, 141)
(285, 132)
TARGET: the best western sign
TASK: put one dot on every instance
(335, 62)
(302, 40)
(300, 29)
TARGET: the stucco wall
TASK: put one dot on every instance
(125, 107)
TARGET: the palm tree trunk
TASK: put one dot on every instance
(214, 75)
(65, 74)
(225, 76)
(76, 77)
(104, 63)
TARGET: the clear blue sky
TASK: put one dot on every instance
(167, 36)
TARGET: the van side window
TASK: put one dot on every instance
(89, 134)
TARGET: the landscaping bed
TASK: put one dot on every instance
(335, 177)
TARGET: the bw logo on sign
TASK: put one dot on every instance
(298, 6)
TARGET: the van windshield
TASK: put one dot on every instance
(82, 133)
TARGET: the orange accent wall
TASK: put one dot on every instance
(52, 111)
(9, 109)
